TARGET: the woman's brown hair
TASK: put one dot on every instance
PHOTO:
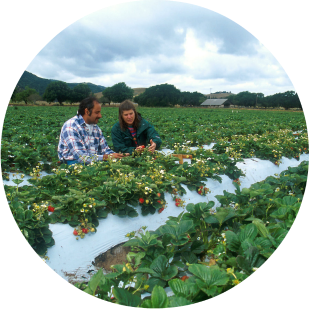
(126, 106)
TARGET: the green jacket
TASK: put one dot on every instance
(123, 141)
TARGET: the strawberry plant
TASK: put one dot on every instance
(204, 252)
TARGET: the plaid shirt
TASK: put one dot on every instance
(76, 143)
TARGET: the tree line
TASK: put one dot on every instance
(168, 95)
(164, 95)
(288, 99)
(56, 91)
(159, 95)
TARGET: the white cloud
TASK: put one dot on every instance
(191, 47)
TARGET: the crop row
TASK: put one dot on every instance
(203, 253)
(80, 195)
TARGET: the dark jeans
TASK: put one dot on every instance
(71, 162)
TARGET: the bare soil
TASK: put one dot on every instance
(113, 256)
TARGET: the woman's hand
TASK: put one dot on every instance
(152, 146)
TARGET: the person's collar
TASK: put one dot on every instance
(81, 120)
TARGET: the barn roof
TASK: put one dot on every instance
(214, 101)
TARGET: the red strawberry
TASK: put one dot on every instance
(85, 231)
(143, 146)
(201, 187)
(141, 200)
(51, 209)
(199, 192)
(177, 204)
(158, 194)
(184, 278)
(159, 201)
(161, 209)
(75, 232)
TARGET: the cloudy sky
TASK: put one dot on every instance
(149, 43)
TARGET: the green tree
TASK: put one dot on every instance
(24, 95)
(118, 92)
(244, 98)
(104, 100)
(233, 99)
(34, 97)
(159, 95)
(265, 102)
(57, 91)
(296, 102)
(259, 98)
(107, 95)
(192, 98)
(80, 92)
(287, 99)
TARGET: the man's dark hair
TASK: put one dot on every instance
(126, 106)
(86, 103)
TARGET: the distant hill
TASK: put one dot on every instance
(40, 84)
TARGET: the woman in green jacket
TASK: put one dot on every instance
(132, 131)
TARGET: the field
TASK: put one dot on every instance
(233, 239)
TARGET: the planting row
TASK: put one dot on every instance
(204, 252)
(80, 195)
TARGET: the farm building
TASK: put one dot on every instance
(216, 103)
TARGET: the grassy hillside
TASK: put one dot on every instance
(137, 91)
(40, 84)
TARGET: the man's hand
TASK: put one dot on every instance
(115, 155)
(152, 146)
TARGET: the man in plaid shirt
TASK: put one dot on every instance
(81, 140)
